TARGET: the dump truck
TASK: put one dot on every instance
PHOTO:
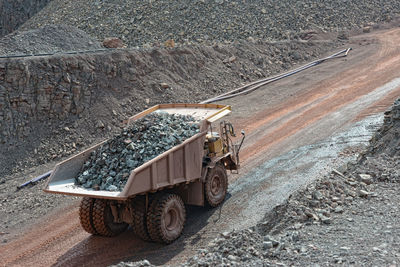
(153, 199)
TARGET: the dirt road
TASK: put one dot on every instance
(290, 114)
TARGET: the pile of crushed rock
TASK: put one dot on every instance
(47, 39)
(109, 166)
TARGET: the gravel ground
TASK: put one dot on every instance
(21, 209)
(50, 38)
(143, 23)
(350, 217)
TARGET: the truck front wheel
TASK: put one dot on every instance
(216, 185)
(166, 218)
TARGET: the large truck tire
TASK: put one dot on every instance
(166, 218)
(85, 215)
(139, 218)
(103, 219)
(216, 185)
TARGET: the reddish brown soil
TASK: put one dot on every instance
(272, 125)
(363, 75)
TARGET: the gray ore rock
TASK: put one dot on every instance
(109, 166)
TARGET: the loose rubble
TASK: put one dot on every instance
(15, 13)
(151, 23)
(386, 140)
(47, 39)
(109, 166)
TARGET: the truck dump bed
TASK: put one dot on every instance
(180, 164)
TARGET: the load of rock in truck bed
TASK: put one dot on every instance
(108, 167)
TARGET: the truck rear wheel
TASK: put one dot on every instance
(103, 219)
(85, 215)
(166, 218)
(139, 218)
(216, 185)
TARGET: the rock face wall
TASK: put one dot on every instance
(42, 88)
(38, 91)
(14, 13)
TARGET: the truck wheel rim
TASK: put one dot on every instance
(216, 185)
(171, 219)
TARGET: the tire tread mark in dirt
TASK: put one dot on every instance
(314, 113)
(26, 253)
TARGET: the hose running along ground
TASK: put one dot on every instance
(257, 84)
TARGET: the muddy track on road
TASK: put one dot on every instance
(298, 111)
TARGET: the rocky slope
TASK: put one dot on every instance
(14, 13)
(141, 23)
(47, 39)
(387, 139)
